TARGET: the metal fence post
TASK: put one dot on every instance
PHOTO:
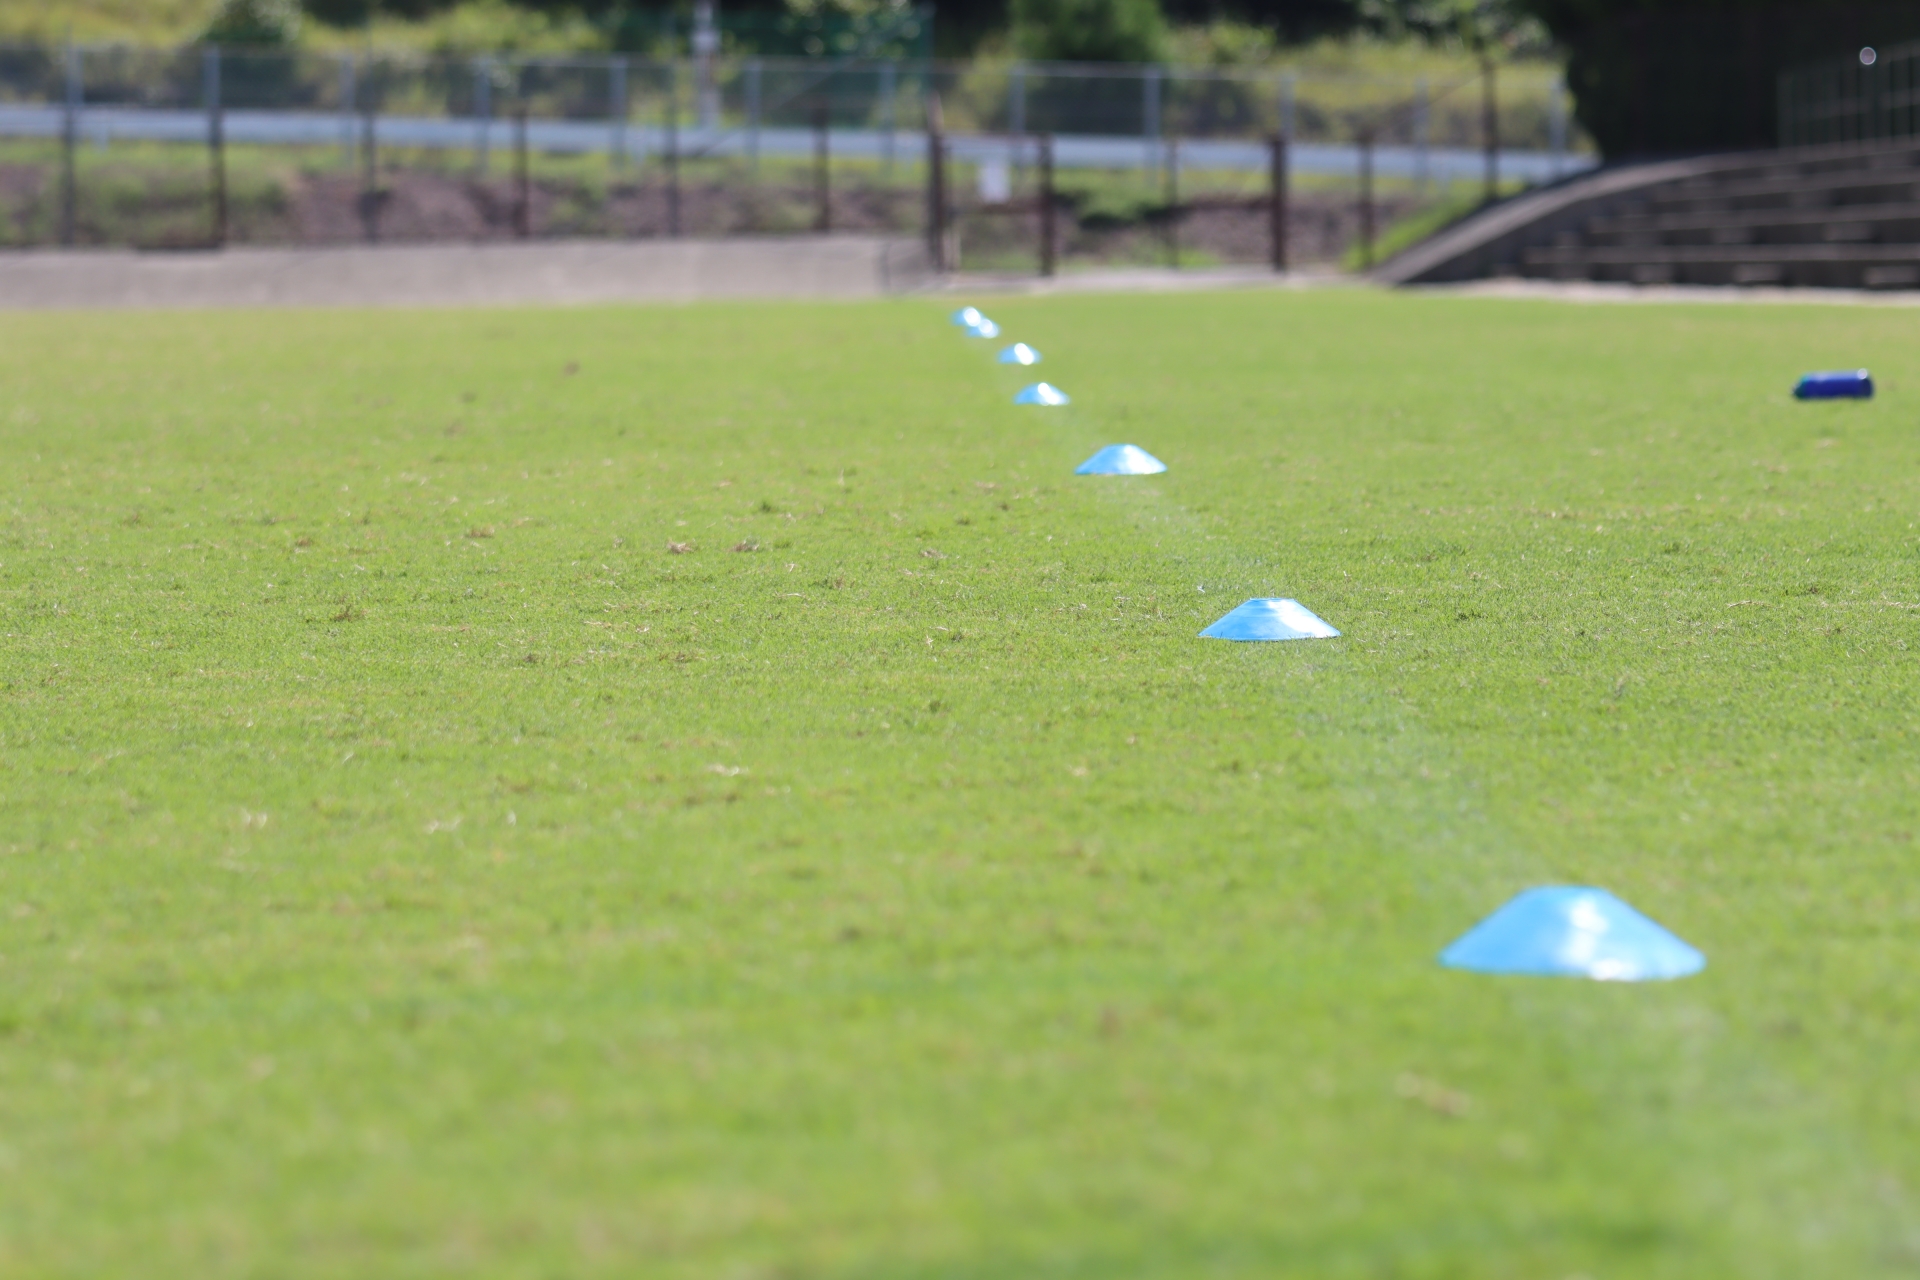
(1150, 114)
(673, 148)
(753, 116)
(69, 143)
(1286, 107)
(522, 182)
(370, 172)
(1783, 105)
(216, 145)
(1557, 125)
(1422, 128)
(822, 191)
(705, 44)
(617, 109)
(1490, 126)
(1046, 205)
(888, 91)
(1366, 199)
(1277, 199)
(1017, 99)
(349, 90)
(482, 113)
(1170, 154)
(936, 187)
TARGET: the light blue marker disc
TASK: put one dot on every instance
(1121, 460)
(1019, 353)
(967, 317)
(1271, 620)
(1572, 932)
(983, 328)
(1041, 393)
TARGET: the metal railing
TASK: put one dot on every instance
(1872, 94)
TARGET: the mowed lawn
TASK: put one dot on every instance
(409, 867)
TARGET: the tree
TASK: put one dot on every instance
(272, 24)
(1485, 28)
(1089, 30)
(1660, 77)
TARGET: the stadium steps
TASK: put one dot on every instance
(1845, 216)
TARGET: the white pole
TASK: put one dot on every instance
(706, 43)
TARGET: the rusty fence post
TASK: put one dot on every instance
(822, 181)
(1170, 159)
(673, 149)
(1046, 206)
(1277, 199)
(1366, 200)
(936, 187)
(369, 175)
(522, 180)
(69, 144)
(216, 148)
(1490, 126)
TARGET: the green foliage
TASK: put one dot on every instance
(1484, 28)
(1224, 43)
(1089, 30)
(262, 23)
(1418, 226)
(410, 867)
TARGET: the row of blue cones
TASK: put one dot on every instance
(1115, 459)
(1571, 931)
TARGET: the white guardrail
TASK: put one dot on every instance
(104, 125)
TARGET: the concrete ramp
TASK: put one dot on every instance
(444, 275)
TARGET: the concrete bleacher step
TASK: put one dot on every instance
(1896, 223)
(1823, 266)
(1841, 216)
(1827, 190)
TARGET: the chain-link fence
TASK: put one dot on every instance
(179, 148)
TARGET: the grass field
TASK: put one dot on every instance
(409, 867)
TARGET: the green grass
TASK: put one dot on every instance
(410, 868)
(1422, 224)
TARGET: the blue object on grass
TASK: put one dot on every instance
(1271, 620)
(1845, 384)
(1019, 353)
(967, 317)
(1041, 393)
(1121, 460)
(1572, 931)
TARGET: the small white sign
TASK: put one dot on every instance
(996, 182)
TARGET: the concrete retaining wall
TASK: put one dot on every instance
(440, 275)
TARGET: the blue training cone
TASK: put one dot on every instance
(967, 317)
(983, 328)
(1572, 932)
(1271, 620)
(1041, 393)
(1019, 353)
(1121, 460)
(1847, 384)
